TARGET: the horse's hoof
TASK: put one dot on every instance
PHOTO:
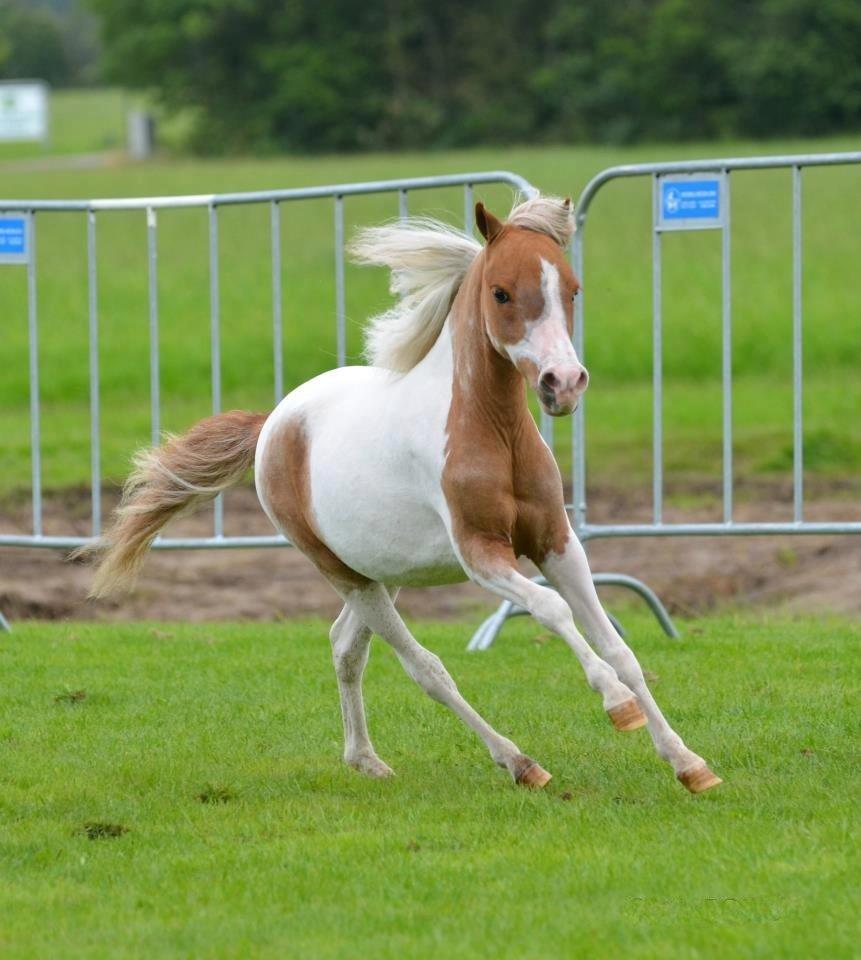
(371, 767)
(628, 716)
(530, 774)
(699, 779)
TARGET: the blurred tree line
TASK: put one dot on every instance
(51, 40)
(348, 75)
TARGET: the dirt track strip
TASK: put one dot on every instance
(690, 574)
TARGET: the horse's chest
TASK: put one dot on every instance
(504, 495)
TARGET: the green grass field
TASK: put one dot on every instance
(217, 749)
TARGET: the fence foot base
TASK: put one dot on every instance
(4, 624)
(484, 636)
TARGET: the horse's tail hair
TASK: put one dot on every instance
(167, 481)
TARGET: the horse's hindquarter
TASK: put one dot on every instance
(375, 448)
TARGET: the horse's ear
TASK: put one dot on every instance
(567, 203)
(488, 225)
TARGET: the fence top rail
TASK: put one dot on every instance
(707, 166)
(268, 196)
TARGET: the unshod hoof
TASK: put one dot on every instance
(531, 774)
(699, 779)
(628, 716)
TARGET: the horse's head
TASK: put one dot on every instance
(527, 299)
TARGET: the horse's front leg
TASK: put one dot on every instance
(569, 573)
(494, 567)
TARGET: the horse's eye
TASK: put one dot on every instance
(500, 296)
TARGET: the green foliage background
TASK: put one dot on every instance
(337, 75)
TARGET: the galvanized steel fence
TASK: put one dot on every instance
(150, 207)
(717, 174)
(28, 211)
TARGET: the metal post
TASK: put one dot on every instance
(154, 373)
(95, 426)
(797, 355)
(657, 364)
(726, 323)
(468, 209)
(403, 205)
(277, 325)
(35, 403)
(340, 306)
(578, 422)
(215, 347)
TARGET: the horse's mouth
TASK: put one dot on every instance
(553, 409)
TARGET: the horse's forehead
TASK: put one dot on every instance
(521, 256)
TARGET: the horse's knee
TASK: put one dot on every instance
(622, 659)
(550, 610)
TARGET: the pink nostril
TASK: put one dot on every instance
(549, 381)
(581, 381)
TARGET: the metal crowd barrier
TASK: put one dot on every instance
(18, 245)
(664, 176)
(28, 210)
(150, 206)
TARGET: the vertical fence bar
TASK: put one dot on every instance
(340, 306)
(578, 424)
(797, 357)
(468, 212)
(35, 403)
(657, 363)
(277, 324)
(95, 412)
(403, 205)
(726, 324)
(154, 357)
(215, 346)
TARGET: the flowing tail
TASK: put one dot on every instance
(167, 481)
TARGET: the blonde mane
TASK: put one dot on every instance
(428, 261)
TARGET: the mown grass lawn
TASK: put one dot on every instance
(135, 727)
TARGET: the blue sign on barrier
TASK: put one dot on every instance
(690, 202)
(14, 238)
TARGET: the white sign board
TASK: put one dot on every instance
(23, 111)
(690, 201)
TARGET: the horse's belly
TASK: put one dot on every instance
(403, 544)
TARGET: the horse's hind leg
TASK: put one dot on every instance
(351, 641)
(373, 607)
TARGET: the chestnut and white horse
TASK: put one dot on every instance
(425, 467)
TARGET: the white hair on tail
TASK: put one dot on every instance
(428, 261)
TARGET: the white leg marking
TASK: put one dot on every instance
(569, 573)
(373, 606)
(553, 612)
(350, 649)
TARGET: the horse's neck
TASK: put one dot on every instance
(485, 386)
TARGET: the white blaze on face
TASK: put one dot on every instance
(546, 340)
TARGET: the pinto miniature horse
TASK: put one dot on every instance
(423, 468)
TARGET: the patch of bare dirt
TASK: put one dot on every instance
(799, 573)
